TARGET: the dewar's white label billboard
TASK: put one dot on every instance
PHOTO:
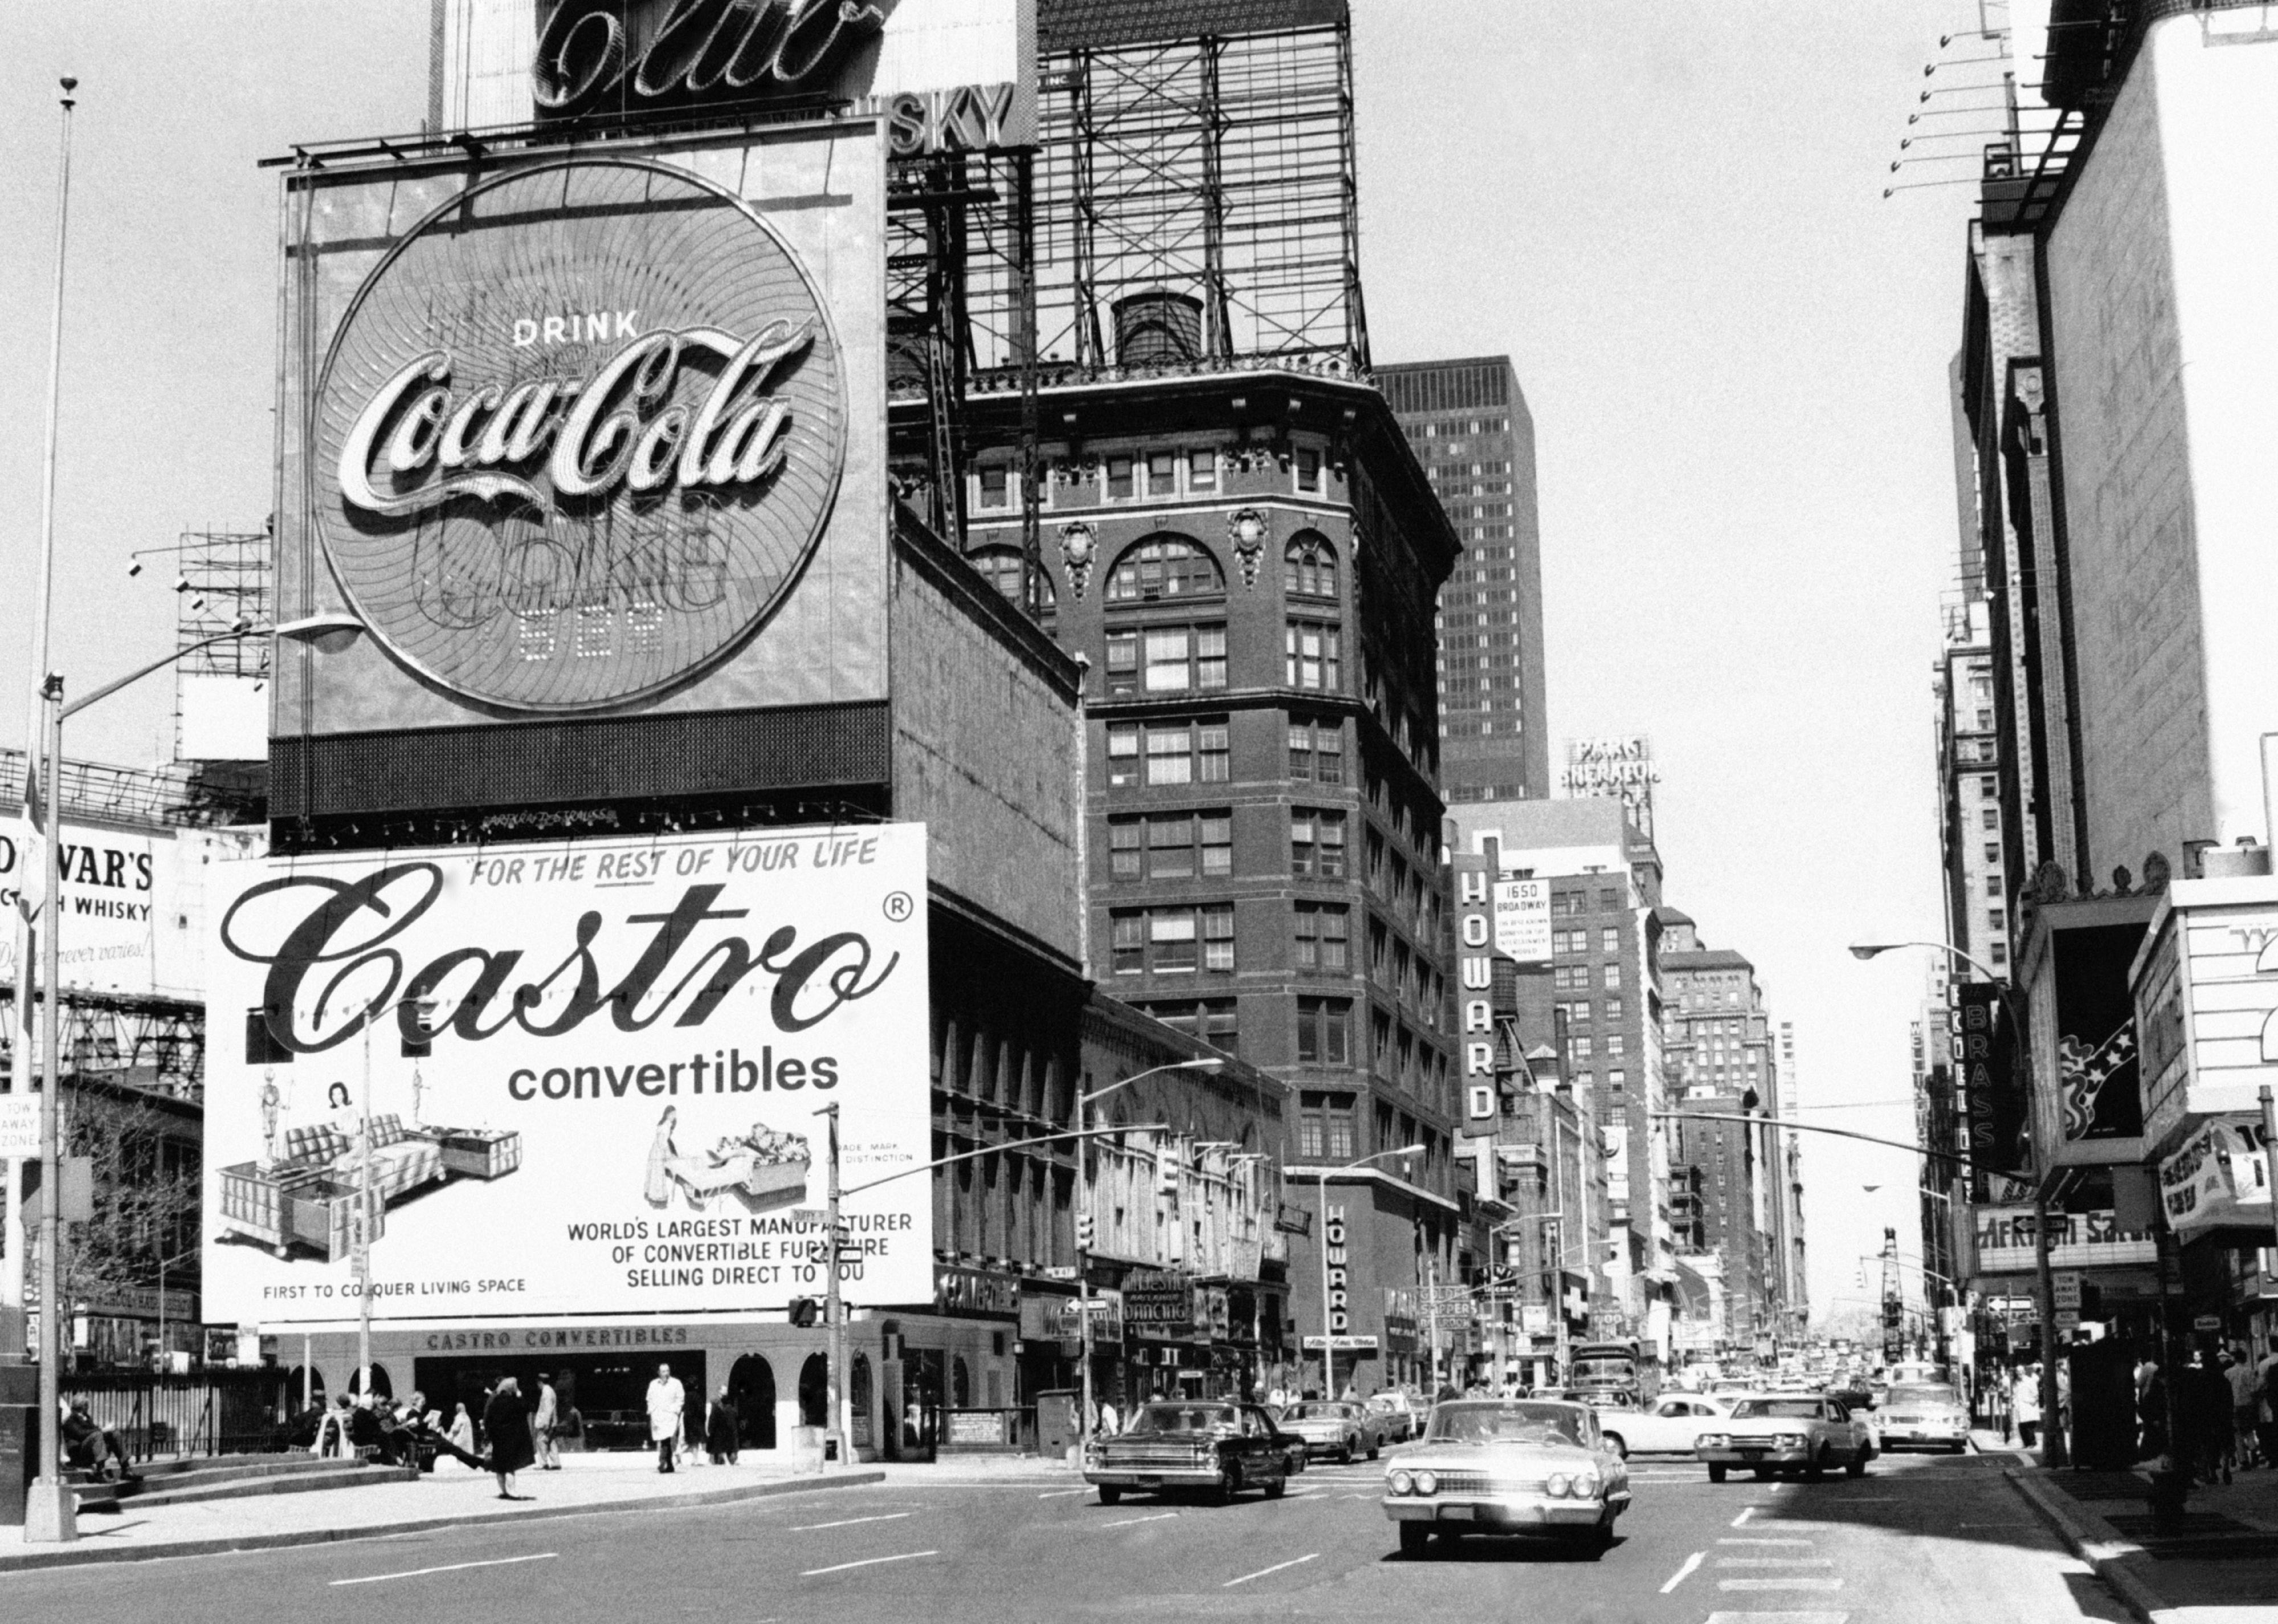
(574, 1078)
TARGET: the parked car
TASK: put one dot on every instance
(1795, 1436)
(1333, 1427)
(1403, 1416)
(1668, 1427)
(1533, 1466)
(1219, 1448)
(1930, 1415)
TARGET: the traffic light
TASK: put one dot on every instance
(803, 1312)
(1087, 1230)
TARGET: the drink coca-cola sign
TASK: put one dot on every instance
(578, 434)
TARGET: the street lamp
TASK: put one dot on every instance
(1210, 1064)
(1321, 1198)
(2057, 1450)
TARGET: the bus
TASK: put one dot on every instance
(1626, 1369)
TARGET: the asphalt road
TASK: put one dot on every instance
(1915, 1540)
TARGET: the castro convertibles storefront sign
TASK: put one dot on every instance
(595, 1071)
(577, 434)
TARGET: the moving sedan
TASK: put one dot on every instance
(1534, 1467)
(1337, 1428)
(1790, 1434)
(1218, 1448)
(1926, 1415)
(1670, 1425)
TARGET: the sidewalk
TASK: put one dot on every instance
(2220, 1567)
(452, 1497)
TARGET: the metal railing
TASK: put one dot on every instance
(210, 1413)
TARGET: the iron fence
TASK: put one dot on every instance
(208, 1413)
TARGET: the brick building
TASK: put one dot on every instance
(1469, 426)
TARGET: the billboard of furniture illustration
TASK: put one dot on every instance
(306, 1199)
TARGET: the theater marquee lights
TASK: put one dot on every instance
(577, 434)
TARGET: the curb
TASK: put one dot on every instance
(83, 1555)
(2095, 1543)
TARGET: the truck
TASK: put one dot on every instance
(1624, 1369)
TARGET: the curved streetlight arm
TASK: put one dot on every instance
(1205, 1065)
(71, 708)
(1844, 1133)
(1868, 950)
(991, 1149)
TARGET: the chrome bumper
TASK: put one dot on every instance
(1514, 1514)
(1152, 1477)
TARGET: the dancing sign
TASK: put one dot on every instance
(579, 1077)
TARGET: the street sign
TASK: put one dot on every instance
(19, 1127)
(1341, 1344)
(2068, 1318)
(2064, 1291)
(2208, 1321)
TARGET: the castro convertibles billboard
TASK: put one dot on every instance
(579, 437)
(591, 1072)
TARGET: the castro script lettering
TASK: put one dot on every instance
(353, 926)
(699, 51)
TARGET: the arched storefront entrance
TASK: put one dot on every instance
(752, 1390)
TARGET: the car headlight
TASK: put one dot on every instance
(1558, 1486)
(1428, 1482)
(1402, 1483)
(1585, 1486)
(1711, 1440)
(1787, 1440)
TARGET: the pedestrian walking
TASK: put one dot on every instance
(2239, 1376)
(2206, 1409)
(542, 1423)
(667, 1399)
(507, 1422)
(2266, 1402)
(722, 1436)
(2025, 1405)
(1109, 1421)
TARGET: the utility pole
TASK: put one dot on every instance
(834, 1439)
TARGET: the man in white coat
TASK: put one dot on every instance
(666, 1400)
(542, 1425)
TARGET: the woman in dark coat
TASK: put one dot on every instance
(720, 1428)
(506, 1424)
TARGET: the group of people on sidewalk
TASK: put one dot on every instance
(679, 1430)
(2225, 1399)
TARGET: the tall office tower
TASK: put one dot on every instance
(1470, 429)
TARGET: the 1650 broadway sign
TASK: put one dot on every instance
(595, 1072)
(578, 433)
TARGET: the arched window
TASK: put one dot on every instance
(1308, 567)
(1163, 568)
(1000, 566)
(815, 1391)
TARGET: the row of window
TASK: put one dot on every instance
(1579, 1012)
(1192, 659)
(1609, 940)
(1175, 845)
(1199, 752)
(1575, 978)
(1145, 476)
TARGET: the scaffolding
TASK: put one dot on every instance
(131, 1038)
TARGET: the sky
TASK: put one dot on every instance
(1671, 217)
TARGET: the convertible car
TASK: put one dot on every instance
(1532, 1467)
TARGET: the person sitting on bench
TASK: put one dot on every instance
(96, 1449)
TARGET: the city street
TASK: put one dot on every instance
(1917, 1538)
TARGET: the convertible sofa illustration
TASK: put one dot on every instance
(309, 1197)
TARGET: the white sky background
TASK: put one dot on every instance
(1671, 217)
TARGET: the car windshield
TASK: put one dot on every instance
(1779, 1409)
(1158, 1418)
(1511, 1422)
(1937, 1397)
(1317, 1412)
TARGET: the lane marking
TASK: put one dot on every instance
(1056, 1494)
(1765, 1541)
(1684, 1573)
(1774, 1562)
(1747, 1512)
(1277, 1567)
(449, 1567)
(907, 1556)
(848, 1522)
(1778, 1618)
(1128, 1521)
(1779, 1584)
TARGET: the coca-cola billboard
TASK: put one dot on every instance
(565, 458)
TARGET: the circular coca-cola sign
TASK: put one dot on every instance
(577, 434)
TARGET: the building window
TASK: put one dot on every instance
(1570, 978)
(1119, 477)
(1162, 568)
(1317, 843)
(1317, 751)
(1308, 567)
(1313, 657)
(1323, 1031)
(1210, 1019)
(996, 485)
(1202, 470)
(1579, 1050)
(1171, 846)
(1991, 817)
(1993, 885)
(1309, 471)
(1609, 940)
(1613, 1009)
(1570, 941)
(1616, 1045)
(1177, 753)
(1172, 941)
(1162, 473)
(1324, 937)
(1324, 1126)
(1616, 1080)
(1176, 660)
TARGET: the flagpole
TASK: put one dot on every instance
(49, 1513)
